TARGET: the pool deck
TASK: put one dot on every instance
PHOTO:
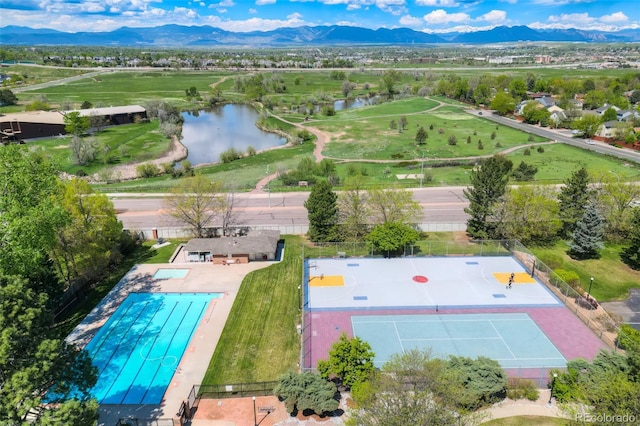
(203, 277)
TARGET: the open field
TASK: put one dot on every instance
(259, 341)
(528, 421)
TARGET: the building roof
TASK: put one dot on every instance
(44, 117)
(264, 241)
(126, 109)
(57, 117)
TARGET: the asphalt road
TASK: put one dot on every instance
(441, 205)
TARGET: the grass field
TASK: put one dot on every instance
(612, 278)
(366, 133)
(259, 341)
(128, 143)
(528, 421)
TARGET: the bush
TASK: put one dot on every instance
(527, 152)
(540, 149)
(493, 135)
(230, 155)
(569, 277)
(306, 391)
(521, 389)
(452, 140)
(147, 170)
(251, 151)
(480, 145)
(628, 337)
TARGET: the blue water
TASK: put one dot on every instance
(139, 348)
(162, 274)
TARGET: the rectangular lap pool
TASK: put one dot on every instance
(139, 348)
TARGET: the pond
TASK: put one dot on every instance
(207, 134)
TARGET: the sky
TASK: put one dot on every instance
(431, 16)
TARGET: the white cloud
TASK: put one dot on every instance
(253, 11)
(572, 18)
(561, 2)
(509, 1)
(263, 2)
(437, 3)
(410, 21)
(494, 16)
(438, 17)
(92, 7)
(617, 17)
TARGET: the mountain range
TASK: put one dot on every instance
(204, 36)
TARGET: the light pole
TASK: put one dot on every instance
(589, 292)
(553, 382)
(255, 419)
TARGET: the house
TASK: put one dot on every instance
(547, 101)
(608, 129)
(557, 115)
(627, 114)
(604, 108)
(256, 245)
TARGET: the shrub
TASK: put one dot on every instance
(569, 277)
(527, 152)
(530, 138)
(498, 145)
(468, 139)
(493, 135)
(147, 170)
(230, 155)
(522, 388)
(628, 337)
(540, 149)
(251, 151)
(452, 140)
(440, 130)
(480, 145)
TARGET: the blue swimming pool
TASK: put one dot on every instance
(139, 348)
(165, 273)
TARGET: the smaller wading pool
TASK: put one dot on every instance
(163, 274)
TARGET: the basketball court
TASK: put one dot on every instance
(465, 306)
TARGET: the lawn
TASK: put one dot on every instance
(612, 279)
(128, 143)
(259, 341)
(366, 133)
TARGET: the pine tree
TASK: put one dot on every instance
(489, 183)
(322, 212)
(573, 199)
(588, 234)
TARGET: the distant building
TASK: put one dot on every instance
(40, 124)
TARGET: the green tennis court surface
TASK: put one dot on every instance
(512, 339)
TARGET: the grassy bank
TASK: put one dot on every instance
(259, 341)
(612, 279)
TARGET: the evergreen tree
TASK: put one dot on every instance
(573, 199)
(322, 212)
(421, 136)
(587, 237)
(306, 391)
(631, 254)
(488, 184)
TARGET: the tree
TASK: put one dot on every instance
(389, 80)
(573, 199)
(631, 253)
(89, 242)
(482, 380)
(503, 103)
(529, 214)
(518, 88)
(609, 115)
(75, 124)
(35, 362)
(587, 126)
(306, 391)
(196, 202)
(524, 172)
(230, 214)
(322, 212)
(635, 97)
(391, 205)
(350, 361)
(84, 150)
(488, 184)
(353, 210)
(421, 136)
(347, 87)
(588, 234)
(412, 389)
(615, 198)
(7, 97)
(392, 237)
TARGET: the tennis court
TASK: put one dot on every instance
(465, 306)
(139, 348)
(513, 340)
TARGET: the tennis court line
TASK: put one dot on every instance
(503, 341)
(398, 336)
